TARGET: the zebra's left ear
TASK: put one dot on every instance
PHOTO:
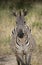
(25, 12)
(15, 14)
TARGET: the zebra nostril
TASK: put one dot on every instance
(20, 34)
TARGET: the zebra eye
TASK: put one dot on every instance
(24, 22)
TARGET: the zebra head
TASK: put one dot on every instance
(20, 22)
(21, 27)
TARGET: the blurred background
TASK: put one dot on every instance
(33, 20)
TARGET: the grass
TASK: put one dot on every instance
(37, 25)
(5, 41)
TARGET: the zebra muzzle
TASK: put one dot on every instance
(20, 34)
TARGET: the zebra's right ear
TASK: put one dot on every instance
(25, 12)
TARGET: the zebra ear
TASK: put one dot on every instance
(14, 12)
(25, 12)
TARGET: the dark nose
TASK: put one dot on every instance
(20, 33)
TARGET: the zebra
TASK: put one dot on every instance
(22, 42)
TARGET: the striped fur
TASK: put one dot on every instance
(22, 42)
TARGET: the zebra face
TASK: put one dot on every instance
(21, 28)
